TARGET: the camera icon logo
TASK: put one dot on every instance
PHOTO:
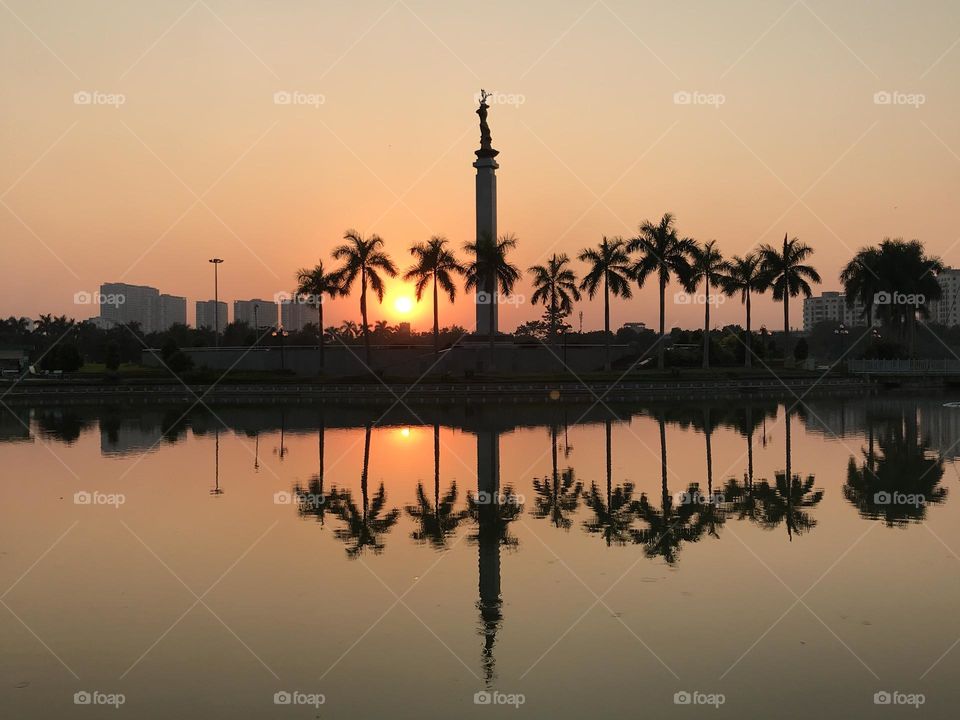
(82, 498)
(882, 498)
(881, 298)
(682, 97)
(82, 298)
(82, 97)
(282, 497)
(681, 298)
(682, 698)
(82, 698)
(483, 697)
(484, 298)
(882, 698)
(282, 97)
(282, 698)
(882, 97)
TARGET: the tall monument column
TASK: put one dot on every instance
(486, 198)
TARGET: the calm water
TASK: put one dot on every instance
(582, 563)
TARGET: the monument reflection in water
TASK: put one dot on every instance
(563, 506)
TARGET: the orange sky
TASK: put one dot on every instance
(199, 160)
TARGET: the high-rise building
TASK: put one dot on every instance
(832, 306)
(206, 317)
(946, 310)
(123, 304)
(255, 313)
(295, 316)
(173, 310)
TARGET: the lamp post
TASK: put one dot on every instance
(256, 322)
(216, 301)
(280, 333)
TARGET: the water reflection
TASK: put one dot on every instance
(439, 520)
(558, 496)
(613, 510)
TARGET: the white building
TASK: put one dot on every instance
(123, 304)
(206, 317)
(173, 310)
(255, 313)
(295, 316)
(946, 310)
(832, 306)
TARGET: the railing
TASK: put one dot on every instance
(946, 366)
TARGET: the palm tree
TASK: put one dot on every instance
(613, 512)
(609, 265)
(363, 257)
(708, 265)
(555, 287)
(312, 500)
(861, 280)
(786, 274)
(434, 261)
(314, 283)
(744, 275)
(558, 495)
(664, 253)
(439, 520)
(491, 273)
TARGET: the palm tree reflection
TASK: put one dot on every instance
(438, 521)
(363, 525)
(898, 484)
(559, 495)
(613, 511)
(311, 500)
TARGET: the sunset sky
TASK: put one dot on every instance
(199, 160)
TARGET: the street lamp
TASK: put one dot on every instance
(216, 301)
(280, 333)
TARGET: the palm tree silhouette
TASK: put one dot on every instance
(614, 510)
(788, 500)
(314, 283)
(363, 526)
(898, 484)
(440, 520)
(662, 253)
(669, 527)
(559, 495)
(312, 500)
(786, 274)
(555, 287)
(364, 258)
(609, 265)
(491, 273)
(744, 275)
(708, 266)
(861, 280)
(434, 262)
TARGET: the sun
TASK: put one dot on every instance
(403, 305)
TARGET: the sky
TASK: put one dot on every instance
(137, 140)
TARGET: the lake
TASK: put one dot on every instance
(739, 559)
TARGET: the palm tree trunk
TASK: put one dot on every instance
(660, 348)
(609, 465)
(787, 356)
(436, 320)
(363, 313)
(748, 359)
(707, 432)
(606, 323)
(789, 473)
(320, 331)
(663, 461)
(749, 446)
(436, 467)
(366, 467)
(706, 328)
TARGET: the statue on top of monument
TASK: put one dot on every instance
(485, 139)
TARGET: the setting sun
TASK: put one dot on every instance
(403, 305)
